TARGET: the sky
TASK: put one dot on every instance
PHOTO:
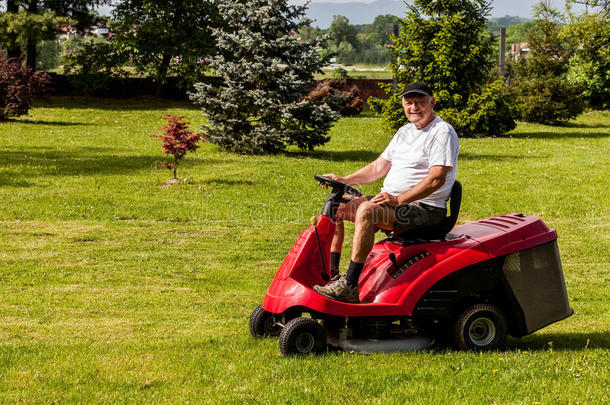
(521, 8)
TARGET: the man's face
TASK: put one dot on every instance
(419, 109)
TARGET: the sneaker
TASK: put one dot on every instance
(335, 277)
(339, 291)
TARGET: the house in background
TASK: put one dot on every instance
(518, 51)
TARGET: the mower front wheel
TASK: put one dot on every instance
(262, 323)
(480, 327)
(302, 336)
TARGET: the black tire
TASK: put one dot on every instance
(480, 327)
(262, 323)
(302, 336)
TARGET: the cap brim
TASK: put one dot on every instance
(418, 92)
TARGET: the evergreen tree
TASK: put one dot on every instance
(446, 43)
(266, 71)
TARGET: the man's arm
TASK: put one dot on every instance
(433, 181)
(368, 174)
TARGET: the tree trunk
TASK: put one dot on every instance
(13, 51)
(162, 72)
(31, 45)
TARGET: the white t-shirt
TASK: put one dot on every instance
(414, 151)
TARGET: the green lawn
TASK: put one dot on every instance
(358, 74)
(118, 288)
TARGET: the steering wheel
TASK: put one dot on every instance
(347, 189)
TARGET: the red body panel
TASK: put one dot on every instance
(385, 290)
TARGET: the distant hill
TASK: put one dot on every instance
(495, 23)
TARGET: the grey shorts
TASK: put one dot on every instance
(416, 215)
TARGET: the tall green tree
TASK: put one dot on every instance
(544, 94)
(166, 37)
(589, 66)
(343, 37)
(446, 43)
(267, 71)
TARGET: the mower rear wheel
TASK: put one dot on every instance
(262, 323)
(302, 336)
(480, 327)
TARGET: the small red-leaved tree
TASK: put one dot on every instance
(178, 139)
(18, 86)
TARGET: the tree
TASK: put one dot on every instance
(589, 66)
(266, 71)
(168, 37)
(543, 93)
(178, 139)
(601, 7)
(342, 33)
(446, 43)
(27, 22)
(375, 40)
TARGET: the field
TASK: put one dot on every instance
(117, 287)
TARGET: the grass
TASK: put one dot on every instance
(357, 74)
(116, 288)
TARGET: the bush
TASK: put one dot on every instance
(340, 73)
(94, 66)
(338, 95)
(548, 99)
(488, 113)
(18, 86)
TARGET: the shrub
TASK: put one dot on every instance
(340, 73)
(548, 99)
(178, 139)
(488, 113)
(18, 86)
(338, 95)
(92, 68)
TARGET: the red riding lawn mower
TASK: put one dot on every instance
(469, 286)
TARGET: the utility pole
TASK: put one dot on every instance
(395, 81)
(502, 49)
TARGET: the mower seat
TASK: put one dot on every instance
(442, 229)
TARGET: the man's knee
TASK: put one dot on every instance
(348, 211)
(379, 215)
(366, 212)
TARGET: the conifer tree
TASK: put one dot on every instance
(266, 71)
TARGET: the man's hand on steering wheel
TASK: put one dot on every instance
(385, 199)
(334, 177)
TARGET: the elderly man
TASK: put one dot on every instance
(420, 165)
